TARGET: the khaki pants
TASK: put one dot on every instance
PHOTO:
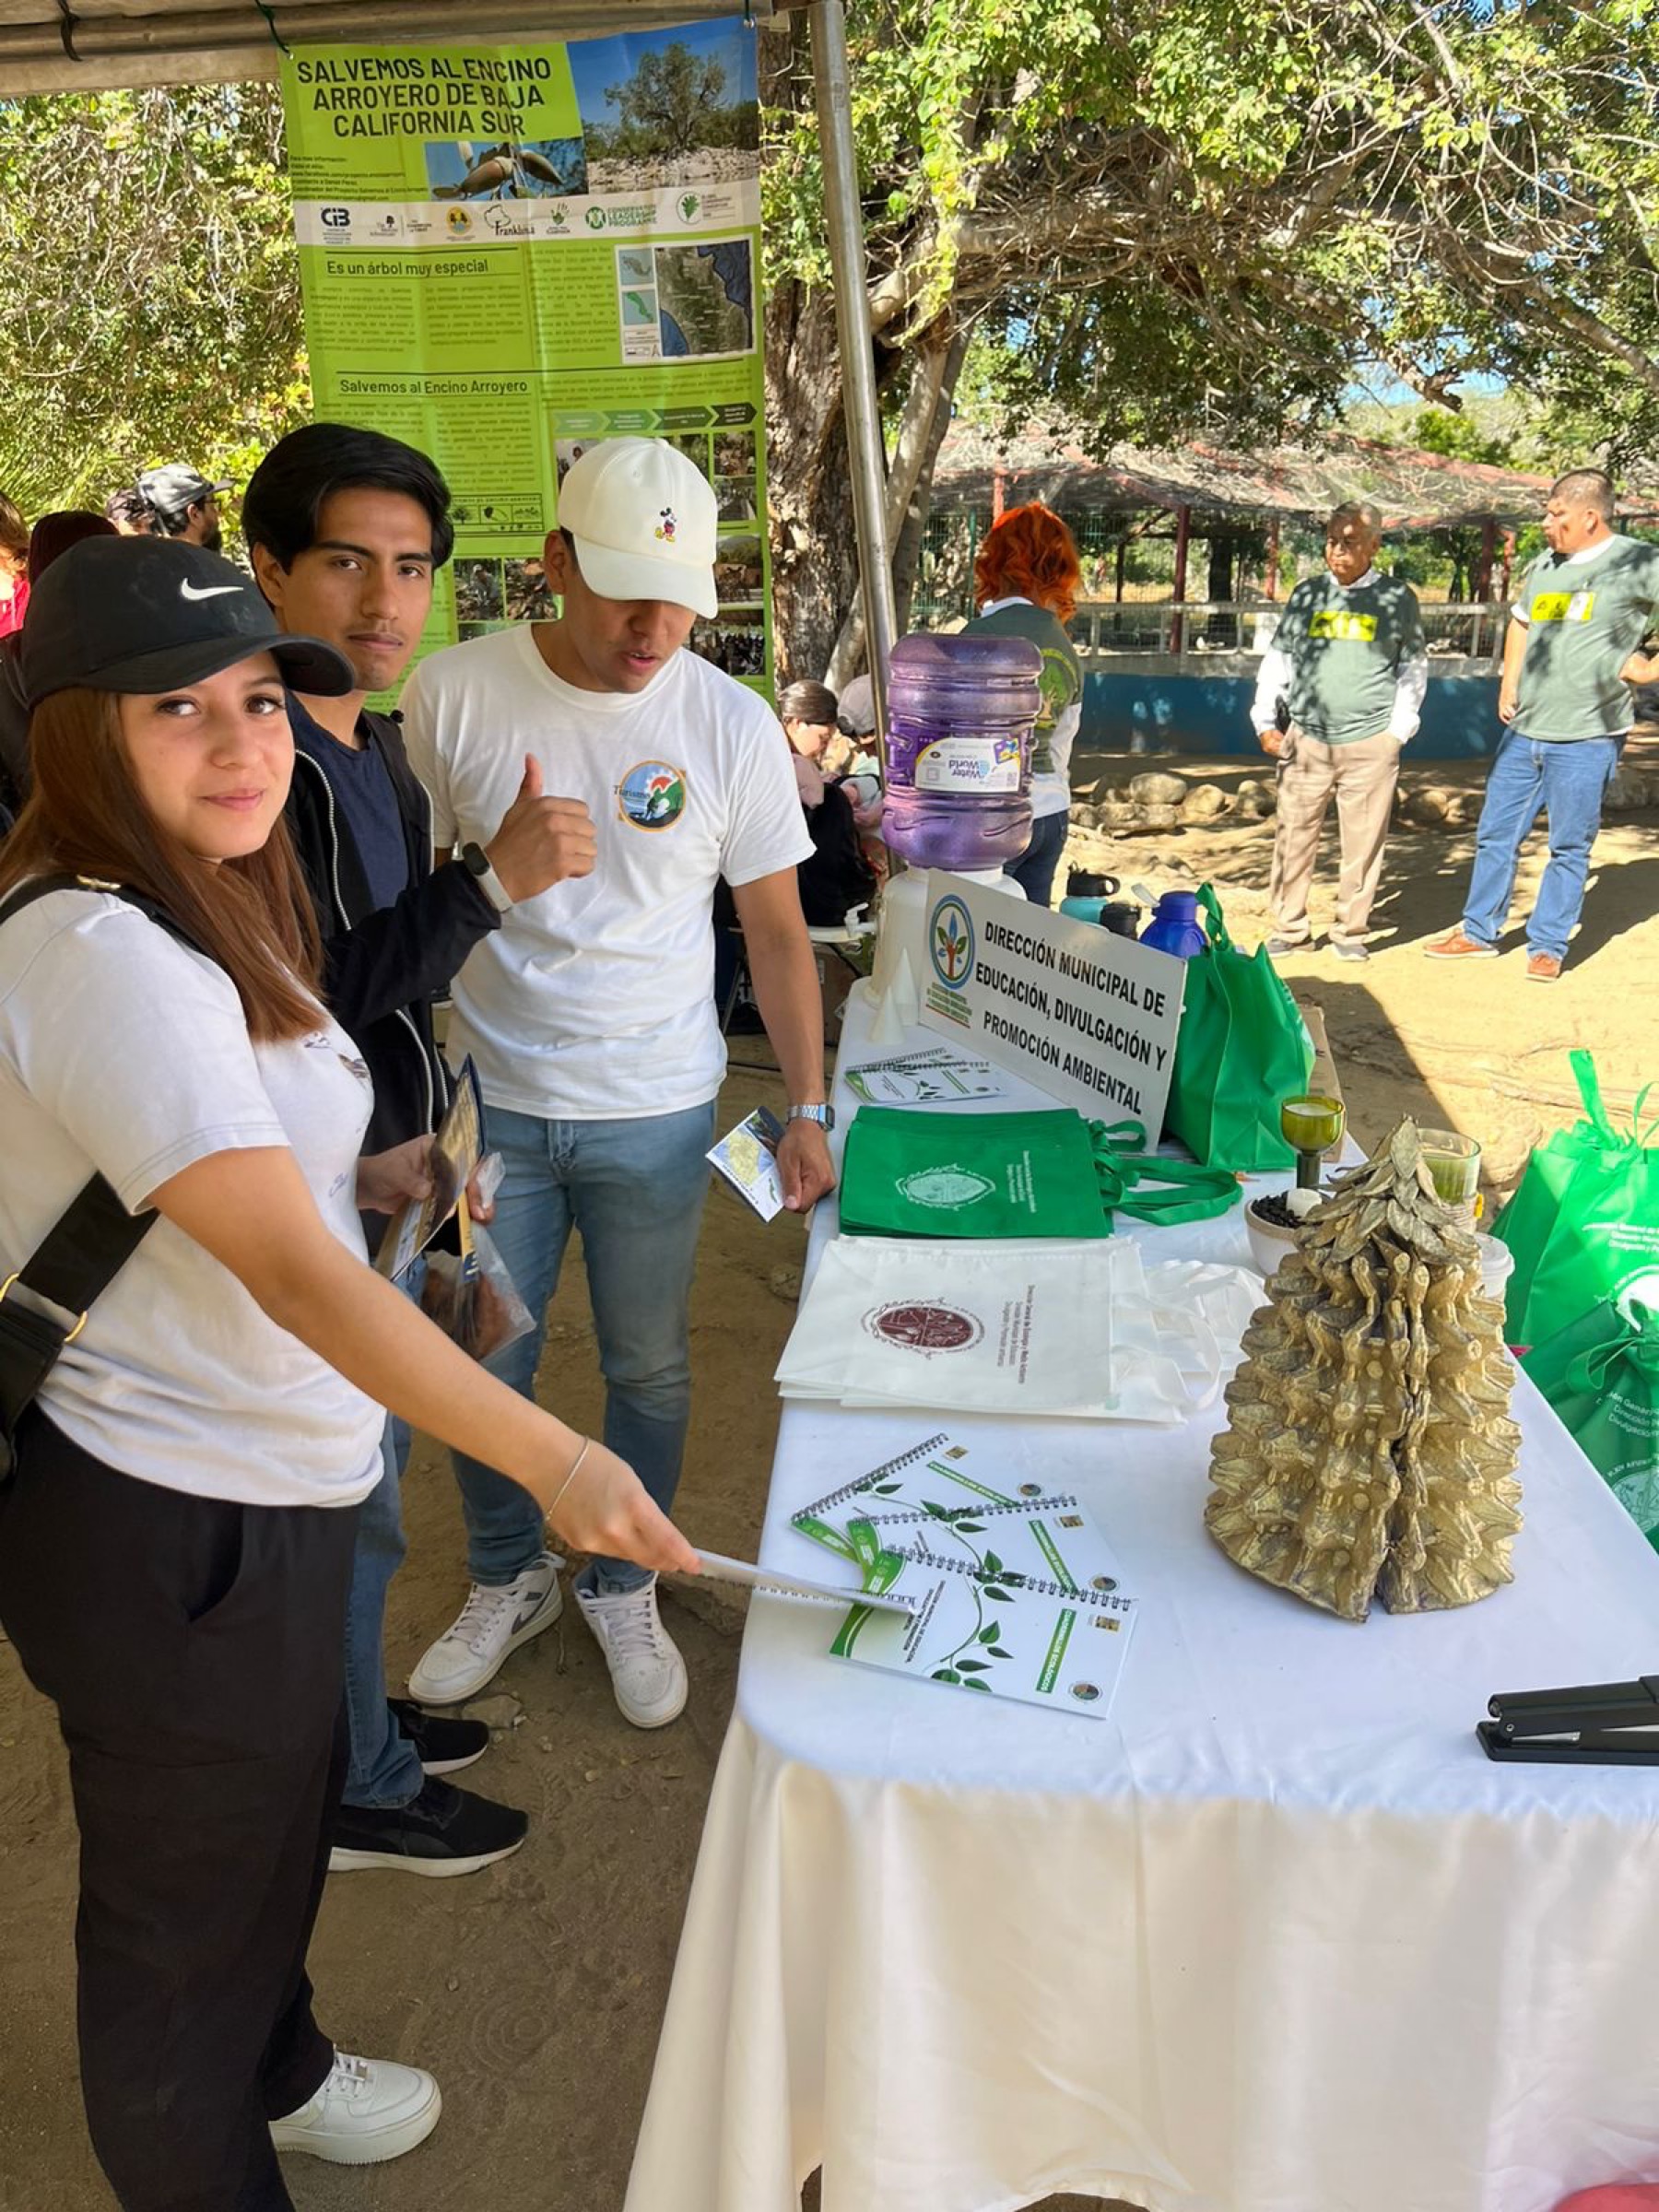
(1363, 777)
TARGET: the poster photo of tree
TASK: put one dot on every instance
(677, 107)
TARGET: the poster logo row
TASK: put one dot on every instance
(432, 223)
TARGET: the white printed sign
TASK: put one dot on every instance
(1088, 1017)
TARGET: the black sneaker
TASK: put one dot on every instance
(442, 1744)
(444, 1831)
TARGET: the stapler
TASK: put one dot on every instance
(1596, 1724)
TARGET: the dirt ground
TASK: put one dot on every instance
(535, 1990)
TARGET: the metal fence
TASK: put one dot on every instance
(1103, 627)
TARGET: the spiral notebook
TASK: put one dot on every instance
(1017, 1592)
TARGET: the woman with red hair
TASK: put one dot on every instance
(1026, 576)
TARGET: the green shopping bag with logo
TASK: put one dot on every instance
(909, 1173)
(1241, 1048)
(1601, 1375)
(1048, 1174)
(1584, 1224)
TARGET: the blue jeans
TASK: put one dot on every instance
(385, 1769)
(1567, 780)
(1034, 870)
(635, 1190)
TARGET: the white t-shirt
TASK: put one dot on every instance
(123, 1052)
(593, 1001)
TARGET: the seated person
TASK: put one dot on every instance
(837, 876)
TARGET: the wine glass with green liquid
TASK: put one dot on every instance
(1311, 1124)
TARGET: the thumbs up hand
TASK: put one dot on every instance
(541, 841)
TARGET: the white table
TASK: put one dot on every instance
(1275, 1936)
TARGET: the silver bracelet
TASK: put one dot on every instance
(570, 1479)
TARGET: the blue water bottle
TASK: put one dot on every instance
(1175, 927)
(1087, 893)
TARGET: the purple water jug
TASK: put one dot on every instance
(1175, 927)
(960, 717)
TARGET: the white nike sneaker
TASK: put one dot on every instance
(368, 2110)
(646, 1670)
(494, 1622)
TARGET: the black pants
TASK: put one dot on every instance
(192, 1648)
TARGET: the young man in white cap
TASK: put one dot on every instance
(589, 1013)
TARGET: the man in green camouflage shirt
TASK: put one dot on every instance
(1569, 661)
(1347, 667)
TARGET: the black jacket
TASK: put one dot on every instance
(381, 966)
(14, 727)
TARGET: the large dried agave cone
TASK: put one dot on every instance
(1369, 1452)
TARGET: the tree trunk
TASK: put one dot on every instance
(912, 524)
(808, 478)
(808, 482)
(922, 427)
(1223, 545)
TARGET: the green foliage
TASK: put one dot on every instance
(152, 295)
(1460, 438)
(1208, 216)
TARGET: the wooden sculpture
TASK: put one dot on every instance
(1369, 1452)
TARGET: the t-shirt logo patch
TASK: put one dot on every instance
(1562, 606)
(1332, 622)
(652, 794)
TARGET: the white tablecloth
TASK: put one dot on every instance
(1275, 1936)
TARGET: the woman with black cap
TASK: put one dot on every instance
(176, 1534)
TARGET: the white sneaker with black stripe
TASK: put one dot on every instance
(494, 1622)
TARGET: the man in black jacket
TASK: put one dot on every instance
(347, 529)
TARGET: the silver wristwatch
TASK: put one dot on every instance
(823, 1115)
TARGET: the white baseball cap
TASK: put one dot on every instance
(643, 518)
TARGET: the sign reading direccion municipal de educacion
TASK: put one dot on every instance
(1088, 1017)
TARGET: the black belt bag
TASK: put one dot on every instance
(85, 1249)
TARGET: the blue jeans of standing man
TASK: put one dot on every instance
(385, 1770)
(1034, 870)
(1568, 779)
(635, 1190)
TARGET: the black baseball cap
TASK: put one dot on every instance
(148, 614)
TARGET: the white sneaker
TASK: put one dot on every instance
(368, 2110)
(646, 1670)
(493, 1622)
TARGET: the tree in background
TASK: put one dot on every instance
(152, 296)
(662, 103)
(1205, 218)
(1199, 218)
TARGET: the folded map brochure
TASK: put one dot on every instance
(455, 1153)
(935, 1077)
(747, 1158)
(1018, 1593)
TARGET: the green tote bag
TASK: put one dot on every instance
(907, 1173)
(1601, 1375)
(1242, 1048)
(1584, 1224)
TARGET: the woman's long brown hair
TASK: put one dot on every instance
(84, 814)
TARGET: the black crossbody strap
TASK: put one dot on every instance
(89, 1244)
(85, 1249)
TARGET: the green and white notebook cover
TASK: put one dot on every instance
(1018, 1593)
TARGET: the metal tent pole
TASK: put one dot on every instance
(866, 456)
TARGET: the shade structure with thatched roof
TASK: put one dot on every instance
(1412, 490)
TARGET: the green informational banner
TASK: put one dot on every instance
(509, 252)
